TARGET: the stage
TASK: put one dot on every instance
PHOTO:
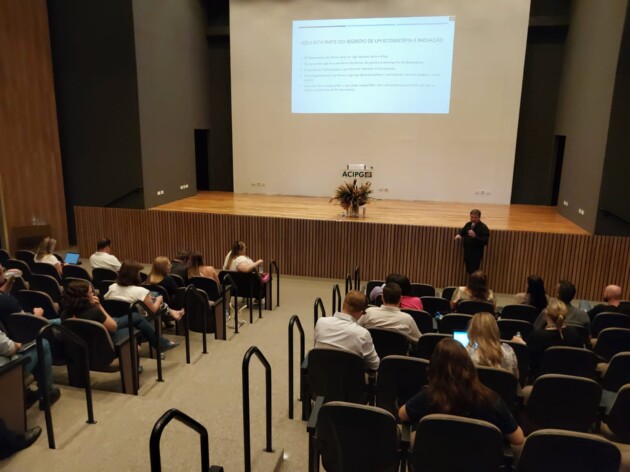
(307, 236)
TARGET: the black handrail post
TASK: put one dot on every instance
(133, 352)
(271, 265)
(348, 283)
(336, 298)
(295, 320)
(246, 420)
(235, 289)
(186, 331)
(357, 278)
(158, 335)
(318, 304)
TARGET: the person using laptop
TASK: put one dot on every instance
(103, 258)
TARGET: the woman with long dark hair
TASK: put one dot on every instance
(196, 268)
(476, 289)
(535, 294)
(454, 389)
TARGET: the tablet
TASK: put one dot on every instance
(462, 337)
(71, 258)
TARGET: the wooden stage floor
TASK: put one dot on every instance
(530, 218)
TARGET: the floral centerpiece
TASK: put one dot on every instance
(351, 196)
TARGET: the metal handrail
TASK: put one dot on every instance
(348, 283)
(357, 278)
(234, 290)
(316, 306)
(336, 298)
(158, 333)
(261, 292)
(295, 320)
(275, 264)
(156, 436)
(246, 421)
(41, 384)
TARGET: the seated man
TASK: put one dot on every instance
(611, 297)
(389, 317)
(565, 292)
(341, 331)
(103, 258)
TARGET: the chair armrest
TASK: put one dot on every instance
(9, 366)
(405, 435)
(312, 421)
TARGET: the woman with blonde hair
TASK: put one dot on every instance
(45, 253)
(160, 275)
(485, 347)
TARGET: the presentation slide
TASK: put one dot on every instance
(373, 65)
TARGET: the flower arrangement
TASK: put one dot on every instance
(351, 196)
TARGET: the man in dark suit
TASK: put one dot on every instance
(474, 236)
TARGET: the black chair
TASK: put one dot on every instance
(26, 256)
(422, 290)
(143, 277)
(179, 281)
(250, 285)
(471, 307)
(204, 315)
(30, 299)
(76, 272)
(519, 312)
(609, 320)
(24, 327)
(209, 286)
(68, 280)
(353, 437)
(100, 274)
(563, 402)
(373, 284)
(522, 358)
(424, 321)
(103, 287)
(116, 308)
(427, 344)
(617, 419)
(399, 378)
(454, 443)
(454, 322)
(624, 307)
(501, 381)
(18, 285)
(583, 333)
(447, 293)
(509, 328)
(552, 450)
(160, 291)
(389, 343)
(4, 256)
(20, 265)
(618, 372)
(432, 305)
(612, 341)
(46, 284)
(569, 361)
(44, 268)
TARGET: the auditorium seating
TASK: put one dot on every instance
(399, 378)
(424, 321)
(26, 256)
(519, 312)
(46, 269)
(48, 285)
(569, 361)
(433, 305)
(501, 381)
(389, 343)
(76, 272)
(30, 299)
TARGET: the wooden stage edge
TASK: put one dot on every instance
(307, 238)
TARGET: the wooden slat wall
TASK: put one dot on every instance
(30, 159)
(332, 248)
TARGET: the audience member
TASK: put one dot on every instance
(477, 290)
(342, 331)
(406, 301)
(103, 258)
(389, 317)
(535, 294)
(160, 275)
(196, 268)
(454, 389)
(180, 264)
(8, 303)
(45, 254)
(485, 347)
(14, 441)
(237, 260)
(565, 292)
(611, 298)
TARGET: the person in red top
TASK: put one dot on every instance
(406, 301)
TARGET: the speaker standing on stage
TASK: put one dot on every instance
(474, 236)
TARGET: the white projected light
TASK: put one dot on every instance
(373, 65)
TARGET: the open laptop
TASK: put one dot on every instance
(462, 337)
(71, 258)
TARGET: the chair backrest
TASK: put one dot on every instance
(24, 327)
(624, 307)
(116, 308)
(46, 269)
(65, 281)
(101, 350)
(618, 372)
(371, 285)
(522, 358)
(179, 281)
(583, 333)
(160, 290)
(30, 299)
(509, 328)
(46, 284)
(336, 375)
(399, 378)
(422, 290)
(520, 312)
(617, 419)
(569, 361)
(209, 286)
(454, 322)
(197, 308)
(18, 285)
(555, 449)
(424, 321)
(453, 443)
(564, 402)
(4, 256)
(354, 437)
(471, 307)
(20, 265)
(612, 341)
(434, 304)
(26, 256)
(101, 274)
(389, 343)
(447, 293)
(427, 344)
(500, 381)
(77, 272)
(609, 320)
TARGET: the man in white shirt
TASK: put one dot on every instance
(342, 331)
(389, 317)
(102, 258)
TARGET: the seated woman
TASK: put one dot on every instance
(556, 333)
(406, 301)
(535, 294)
(196, 268)
(477, 290)
(45, 253)
(454, 389)
(81, 302)
(237, 260)
(160, 275)
(127, 288)
(485, 347)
